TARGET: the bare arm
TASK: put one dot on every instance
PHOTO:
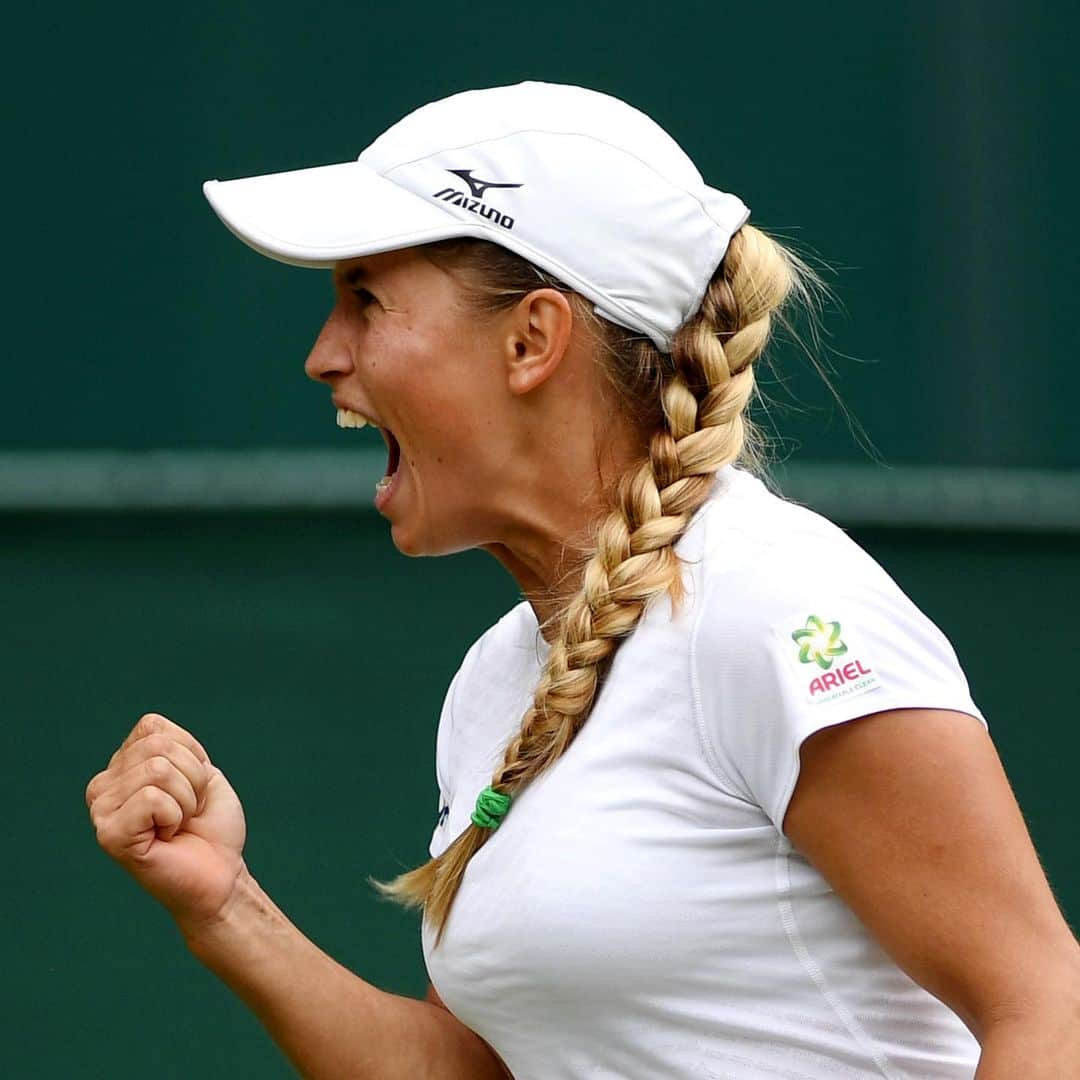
(909, 815)
(172, 819)
(328, 1022)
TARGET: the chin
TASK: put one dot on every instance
(407, 543)
(421, 546)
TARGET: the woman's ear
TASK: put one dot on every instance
(539, 334)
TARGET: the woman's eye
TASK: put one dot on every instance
(364, 296)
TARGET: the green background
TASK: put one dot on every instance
(925, 151)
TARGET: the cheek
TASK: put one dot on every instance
(455, 419)
(455, 475)
(450, 452)
(441, 390)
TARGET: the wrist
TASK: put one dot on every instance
(245, 904)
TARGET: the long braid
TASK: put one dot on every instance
(704, 387)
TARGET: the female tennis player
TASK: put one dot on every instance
(715, 798)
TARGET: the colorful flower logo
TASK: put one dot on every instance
(819, 642)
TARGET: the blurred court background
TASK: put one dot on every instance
(183, 528)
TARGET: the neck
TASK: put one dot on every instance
(570, 444)
(547, 593)
(549, 522)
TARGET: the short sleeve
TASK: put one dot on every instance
(810, 633)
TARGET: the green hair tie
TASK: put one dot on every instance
(491, 807)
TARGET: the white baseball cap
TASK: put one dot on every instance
(577, 182)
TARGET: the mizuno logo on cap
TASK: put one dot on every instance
(477, 187)
(476, 205)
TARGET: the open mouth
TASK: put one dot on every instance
(393, 459)
(346, 418)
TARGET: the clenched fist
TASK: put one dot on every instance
(171, 819)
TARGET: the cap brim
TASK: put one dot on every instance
(317, 217)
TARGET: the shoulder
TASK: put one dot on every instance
(773, 573)
(760, 552)
(796, 627)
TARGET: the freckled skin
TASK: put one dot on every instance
(501, 420)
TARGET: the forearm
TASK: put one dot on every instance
(331, 1024)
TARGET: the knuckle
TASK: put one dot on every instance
(150, 747)
(158, 768)
(157, 798)
(106, 837)
(164, 806)
(149, 723)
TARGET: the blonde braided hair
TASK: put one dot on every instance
(693, 403)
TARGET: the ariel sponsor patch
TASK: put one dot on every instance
(830, 663)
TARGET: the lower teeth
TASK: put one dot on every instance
(383, 484)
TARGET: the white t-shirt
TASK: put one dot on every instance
(639, 912)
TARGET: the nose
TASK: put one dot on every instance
(332, 353)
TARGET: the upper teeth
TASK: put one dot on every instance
(348, 418)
